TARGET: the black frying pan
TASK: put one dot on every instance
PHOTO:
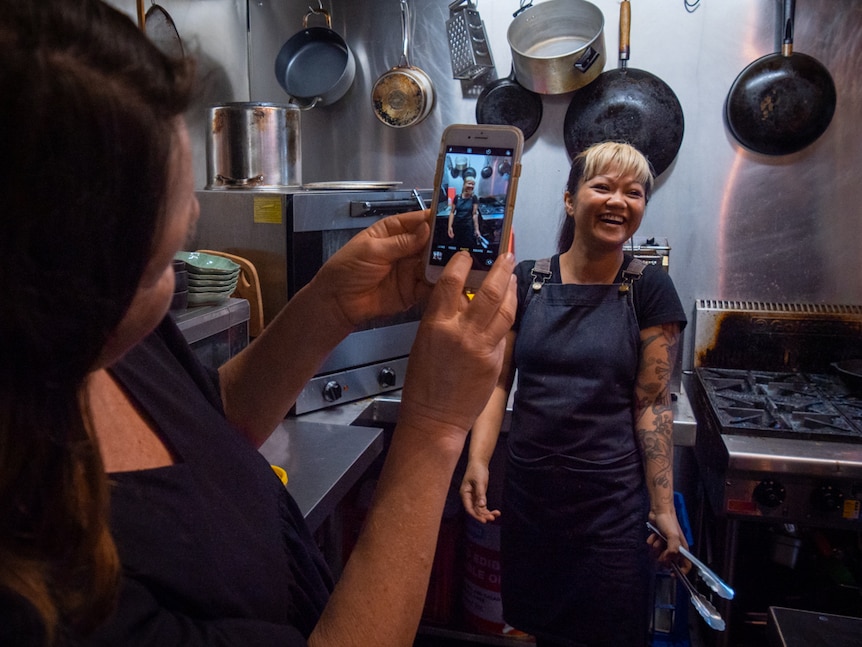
(782, 102)
(507, 103)
(627, 105)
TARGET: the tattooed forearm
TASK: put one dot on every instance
(653, 412)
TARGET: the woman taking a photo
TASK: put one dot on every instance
(135, 508)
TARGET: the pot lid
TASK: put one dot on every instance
(357, 185)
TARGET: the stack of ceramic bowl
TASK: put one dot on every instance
(211, 279)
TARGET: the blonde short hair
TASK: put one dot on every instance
(601, 157)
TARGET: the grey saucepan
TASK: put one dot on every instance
(315, 66)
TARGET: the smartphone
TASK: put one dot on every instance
(474, 197)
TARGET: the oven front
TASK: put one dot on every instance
(288, 236)
(779, 452)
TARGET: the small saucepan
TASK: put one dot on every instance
(507, 102)
(404, 95)
(850, 372)
(315, 66)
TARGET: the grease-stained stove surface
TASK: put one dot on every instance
(810, 406)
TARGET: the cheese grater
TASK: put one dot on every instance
(468, 41)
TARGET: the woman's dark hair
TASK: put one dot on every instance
(600, 158)
(87, 122)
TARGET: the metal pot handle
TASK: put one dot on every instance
(232, 181)
(405, 34)
(313, 11)
(305, 106)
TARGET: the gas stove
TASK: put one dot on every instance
(801, 406)
(779, 453)
(779, 446)
(779, 434)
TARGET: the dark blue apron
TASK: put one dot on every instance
(575, 565)
(462, 225)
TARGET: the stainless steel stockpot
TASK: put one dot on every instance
(253, 145)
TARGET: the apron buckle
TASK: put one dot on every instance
(541, 272)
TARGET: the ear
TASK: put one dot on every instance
(569, 201)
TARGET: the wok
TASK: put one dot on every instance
(626, 105)
(782, 102)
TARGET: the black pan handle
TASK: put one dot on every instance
(380, 208)
(586, 59)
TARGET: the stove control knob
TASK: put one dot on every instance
(331, 391)
(827, 499)
(769, 493)
(386, 377)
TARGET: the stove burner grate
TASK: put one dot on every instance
(788, 405)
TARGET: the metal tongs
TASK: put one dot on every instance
(704, 607)
(710, 579)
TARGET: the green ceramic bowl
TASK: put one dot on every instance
(200, 263)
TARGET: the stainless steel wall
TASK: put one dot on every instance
(741, 225)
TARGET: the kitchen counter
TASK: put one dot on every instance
(322, 460)
(383, 409)
(325, 452)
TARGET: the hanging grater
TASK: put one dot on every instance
(468, 41)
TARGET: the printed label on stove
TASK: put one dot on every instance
(851, 509)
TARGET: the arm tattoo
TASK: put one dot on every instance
(653, 412)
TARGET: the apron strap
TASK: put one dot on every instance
(634, 270)
(541, 273)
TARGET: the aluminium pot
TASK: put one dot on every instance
(557, 46)
(253, 145)
(404, 95)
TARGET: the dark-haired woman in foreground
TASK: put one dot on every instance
(105, 413)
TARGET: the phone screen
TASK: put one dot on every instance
(469, 204)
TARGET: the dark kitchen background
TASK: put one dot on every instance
(741, 225)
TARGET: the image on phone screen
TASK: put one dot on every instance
(469, 204)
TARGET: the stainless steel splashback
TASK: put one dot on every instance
(743, 226)
(755, 335)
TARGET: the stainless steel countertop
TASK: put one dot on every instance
(323, 461)
(326, 452)
(384, 409)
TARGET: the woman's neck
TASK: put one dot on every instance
(585, 267)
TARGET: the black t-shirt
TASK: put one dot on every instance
(653, 294)
(213, 548)
(20, 624)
